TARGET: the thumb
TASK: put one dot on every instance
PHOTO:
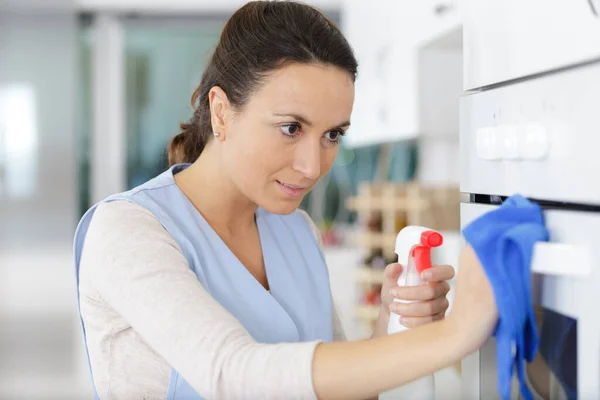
(393, 271)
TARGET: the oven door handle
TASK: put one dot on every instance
(561, 259)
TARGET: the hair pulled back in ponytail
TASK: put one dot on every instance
(260, 37)
(186, 146)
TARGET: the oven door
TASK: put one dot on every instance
(566, 294)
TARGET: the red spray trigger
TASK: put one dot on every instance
(421, 253)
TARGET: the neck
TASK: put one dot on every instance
(215, 196)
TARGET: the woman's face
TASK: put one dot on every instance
(277, 147)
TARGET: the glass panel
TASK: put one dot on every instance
(164, 64)
(553, 373)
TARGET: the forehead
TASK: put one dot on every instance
(323, 93)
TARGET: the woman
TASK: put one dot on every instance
(207, 282)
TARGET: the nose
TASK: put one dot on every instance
(307, 158)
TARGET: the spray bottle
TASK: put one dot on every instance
(413, 247)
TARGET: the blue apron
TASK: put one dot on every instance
(298, 307)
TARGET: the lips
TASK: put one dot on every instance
(292, 191)
(295, 187)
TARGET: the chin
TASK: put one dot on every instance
(281, 207)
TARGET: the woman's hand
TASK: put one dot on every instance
(474, 313)
(430, 299)
(364, 368)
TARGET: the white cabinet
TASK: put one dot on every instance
(365, 27)
(509, 39)
(387, 37)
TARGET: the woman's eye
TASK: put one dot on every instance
(290, 129)
(334, 136)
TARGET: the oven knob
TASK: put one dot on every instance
(533, 141)
(487, 144)
(509, 137)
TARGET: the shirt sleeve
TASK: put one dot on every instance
(139, 271)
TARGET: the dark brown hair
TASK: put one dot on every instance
(258, 38)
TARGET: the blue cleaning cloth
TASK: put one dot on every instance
(503, 240)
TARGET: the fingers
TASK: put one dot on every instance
(393, 271)
(428, 291)
(413, 322)
(420, 309)
(438, 273)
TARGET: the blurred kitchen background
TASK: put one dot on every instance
(91, 91)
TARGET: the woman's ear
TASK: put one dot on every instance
(220, 110)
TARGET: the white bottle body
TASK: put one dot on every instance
(408, 277)
(423, 388)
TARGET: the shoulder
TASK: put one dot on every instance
(123, 216)
(124, 244)
(125, 226)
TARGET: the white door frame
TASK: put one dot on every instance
(108, 141)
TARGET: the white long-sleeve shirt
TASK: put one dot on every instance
(145, 312)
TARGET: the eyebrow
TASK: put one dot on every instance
(305, 121)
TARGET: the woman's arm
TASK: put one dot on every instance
(141, 274)
(363, 369)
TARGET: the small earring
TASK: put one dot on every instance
(217, 134)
